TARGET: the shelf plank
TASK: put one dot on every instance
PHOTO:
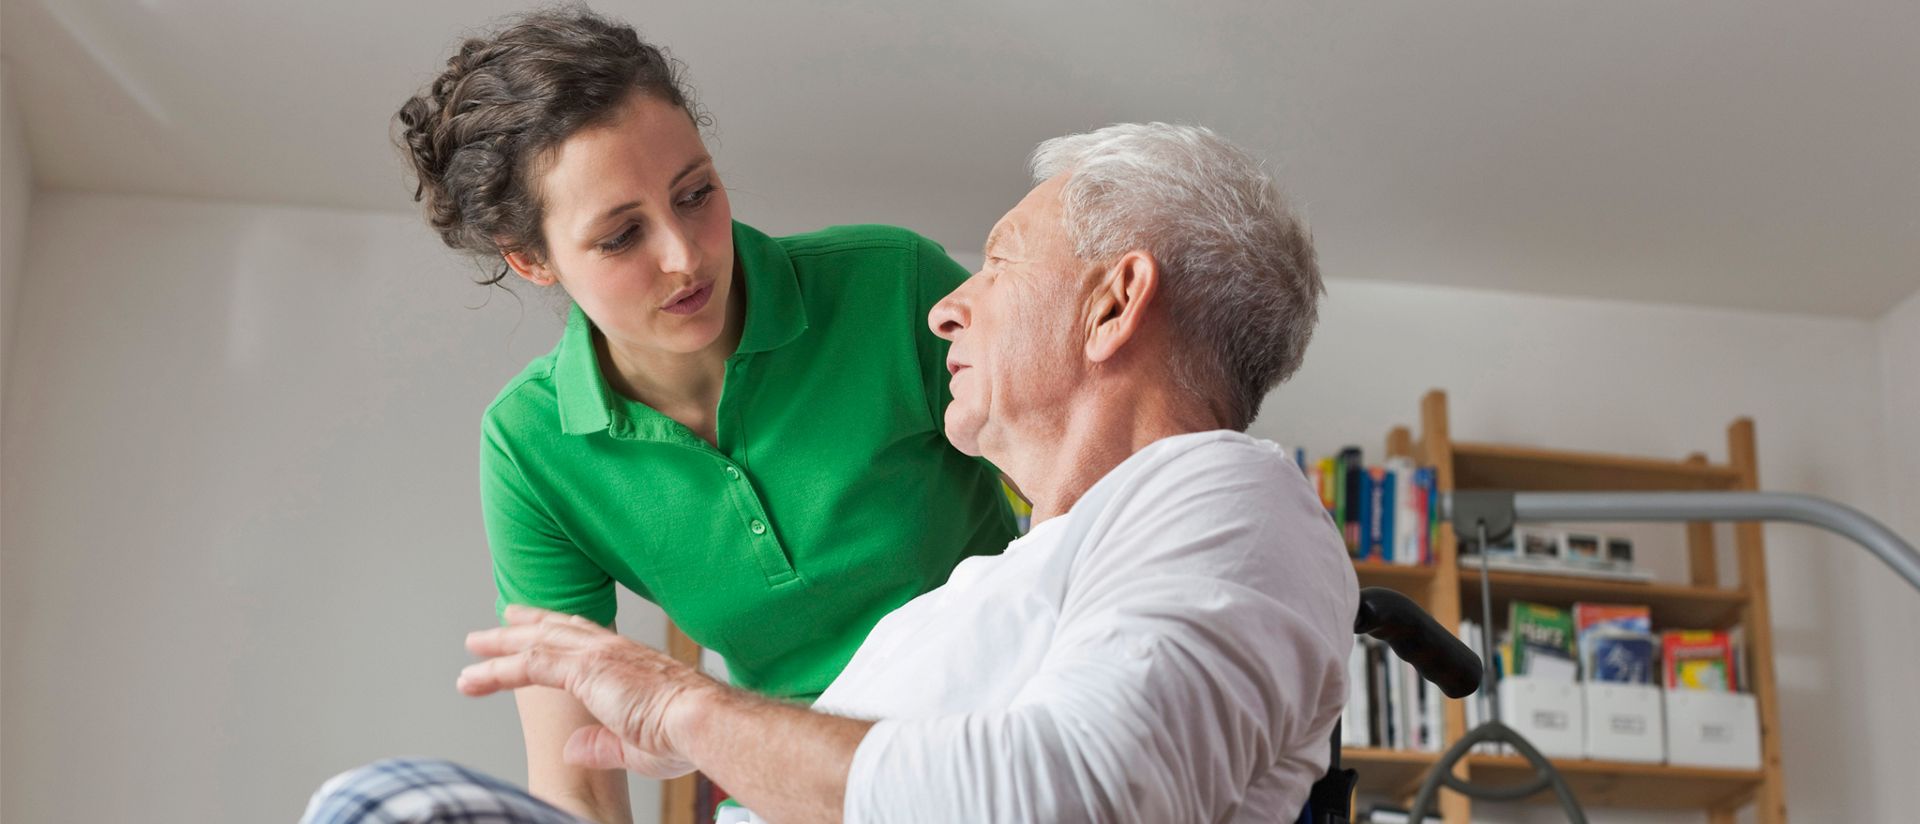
(1598, 784)
(1496, 466)
(1412, 581)
(1674, 606)
(1387, 772)
(1595, 784)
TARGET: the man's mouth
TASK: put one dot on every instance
(689, 300)
(954, 367)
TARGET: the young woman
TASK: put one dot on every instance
(745, 430)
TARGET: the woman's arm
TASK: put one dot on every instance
(533, 560)
(547, 718)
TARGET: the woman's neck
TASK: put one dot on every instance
(684, 386)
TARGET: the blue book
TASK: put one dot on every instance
(1383, 511)
(1620, 658)
(1429, 480)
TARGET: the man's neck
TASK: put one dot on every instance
(1101, 430)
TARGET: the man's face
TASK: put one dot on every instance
(1016, 351)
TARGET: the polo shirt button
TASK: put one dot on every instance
(758, 527)
(733, 473)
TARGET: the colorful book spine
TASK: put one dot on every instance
(1543, 641)
(1698, 660)
(1352, 475)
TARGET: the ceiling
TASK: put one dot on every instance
(1748, 155)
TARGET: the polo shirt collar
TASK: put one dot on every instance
(775, 314)
(775, 317)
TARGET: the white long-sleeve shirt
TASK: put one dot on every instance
(1183, 660)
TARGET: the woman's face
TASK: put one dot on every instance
(638, 230)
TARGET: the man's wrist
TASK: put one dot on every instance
(692, 713)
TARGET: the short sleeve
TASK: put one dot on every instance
(534, 562)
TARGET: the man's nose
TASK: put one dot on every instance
(950, 315)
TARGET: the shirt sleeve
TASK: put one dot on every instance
(1199, 646)
(534, 562)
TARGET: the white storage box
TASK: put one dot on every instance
(1547, 712)
(1713, 729)
(1623, 722)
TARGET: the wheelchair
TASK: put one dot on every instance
(1435, 654)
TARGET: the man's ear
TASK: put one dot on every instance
(533, 271)
(1119, 303)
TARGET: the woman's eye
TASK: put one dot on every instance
(619, 241)
(697, 197)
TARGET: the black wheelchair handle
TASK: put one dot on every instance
(1419, 640)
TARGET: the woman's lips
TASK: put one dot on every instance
(689, 300)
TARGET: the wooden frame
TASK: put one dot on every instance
(1703, 602)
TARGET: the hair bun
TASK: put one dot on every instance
(506, 97)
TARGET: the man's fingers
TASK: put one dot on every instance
(521, 614)
(509, 672)
(596, 748)
(507, 640)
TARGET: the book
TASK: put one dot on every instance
(1378, 527)
(1399, 537)
(1350, 476)
(1698, 660)
(1384, 514)
(1426, 522)
(1617, 645)
(1356, 718)
(1627, 617)
(1323, 480)
(1543, 641)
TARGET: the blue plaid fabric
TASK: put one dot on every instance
(423, 790)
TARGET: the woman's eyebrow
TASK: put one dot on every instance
(690, 169)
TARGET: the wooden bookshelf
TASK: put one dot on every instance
(1704, 601)
(1398, 773)
(1673, 605)
(1414, 581)
(1628, 784)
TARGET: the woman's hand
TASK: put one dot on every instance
(637, 693)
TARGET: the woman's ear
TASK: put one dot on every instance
(530, 269)
(1119, 303)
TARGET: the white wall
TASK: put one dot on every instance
(1890, 761)
(243, 540)
(16, 200)
(243, 537)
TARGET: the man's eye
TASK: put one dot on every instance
(619, 241)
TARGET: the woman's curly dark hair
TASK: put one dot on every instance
(476, 136)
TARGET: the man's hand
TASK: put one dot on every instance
(638, 694)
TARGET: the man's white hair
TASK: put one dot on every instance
(1237, 268)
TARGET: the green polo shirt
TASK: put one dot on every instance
(832, 497)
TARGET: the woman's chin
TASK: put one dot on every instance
(693, 335)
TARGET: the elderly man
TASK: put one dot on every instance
(1167, 644)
